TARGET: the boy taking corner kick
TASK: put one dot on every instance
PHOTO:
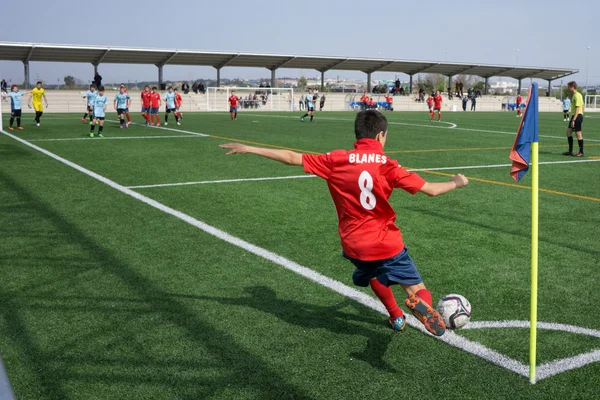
(360, 182)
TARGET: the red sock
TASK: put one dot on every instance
(157, 119)
(152, 116)
(386, 296)
(425, 295)
(440, 116)
(128, 117)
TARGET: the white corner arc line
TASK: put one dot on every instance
(110, 138)
(274, 178)
(450, 338)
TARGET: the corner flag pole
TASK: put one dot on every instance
(534, 260)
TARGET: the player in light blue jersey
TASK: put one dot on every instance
(99, 112)
(15, 106)
(169, 99)
(566, 108)
(90, 95)
(121, 104)
(310, 106)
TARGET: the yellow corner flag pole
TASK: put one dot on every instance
(534, 261)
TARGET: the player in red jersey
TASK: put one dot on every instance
(364, 100)
(430, 106)
(437, 105)
(146, 104)
(155, 102)
(389, 101)
(360, 182)
(233, 106)
(178, 101)
(519, 101)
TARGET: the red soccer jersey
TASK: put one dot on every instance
(364, 99)
(155, 98)
(430, 101)
(178, 100)
(233, 101)
(437, 101)
(519, 99)
(389, 99)
(146, 99)
(360, 182)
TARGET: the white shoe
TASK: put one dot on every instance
(37, 124)
(166, 123)
(178, 123)
(564, 120)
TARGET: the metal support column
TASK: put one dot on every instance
(26, 73)
(160, 77)
(369, 82)
(218, 77)
(410, 85)
(449, 83)
(273, 78)
(549, 89)
(519, 87)
(485, 88)
(322, 81)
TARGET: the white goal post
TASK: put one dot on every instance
(250, 98)
(592, 103)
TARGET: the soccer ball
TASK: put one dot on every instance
(455, 309)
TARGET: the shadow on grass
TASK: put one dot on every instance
(239, 370)
(311, 316)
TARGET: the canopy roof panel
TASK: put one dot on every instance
(15, 51)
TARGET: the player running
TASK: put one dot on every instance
(566, 108)
(233, 106)
(519, 101)
(37, 94)
(121, 104)
(146, 102)
(155, 103)
(122, 86)
(360, 182)
(169, 99)
(310, 106)
(90, 95)
(437, 105)
(15, 106)
(99, 111)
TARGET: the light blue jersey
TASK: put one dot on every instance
(91, 96)
(122, 100)
(170, 99)
(310, 100)
(15, 100)
(566, 104)
(99, 103)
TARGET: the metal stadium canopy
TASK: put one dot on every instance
(27, 52)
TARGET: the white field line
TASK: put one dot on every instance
(313, 176)
(111, 138)
(432, 126)
(452, 126)
(164, 128)
(450, 338)
(274, 178)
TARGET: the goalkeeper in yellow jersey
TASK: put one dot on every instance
(35, 97)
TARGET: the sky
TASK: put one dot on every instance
(546, 33)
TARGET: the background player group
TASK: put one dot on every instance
(35, 98)
(151, 102)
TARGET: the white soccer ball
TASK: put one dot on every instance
(455, 309)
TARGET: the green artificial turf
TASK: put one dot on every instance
(105, 297)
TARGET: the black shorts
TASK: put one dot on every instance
(121, 111)
(310, 109)
(15, 113)
(99, 118)
(170, 110)
(578, 122)
(89, 108)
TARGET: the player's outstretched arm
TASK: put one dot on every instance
(283, 156)
(437, 188)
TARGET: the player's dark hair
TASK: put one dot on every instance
(92, 86)
(369, 123)
(39, 83)
(101, 89)
(154, 88)
(12, 87)
(572, 84)
(170, 87)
